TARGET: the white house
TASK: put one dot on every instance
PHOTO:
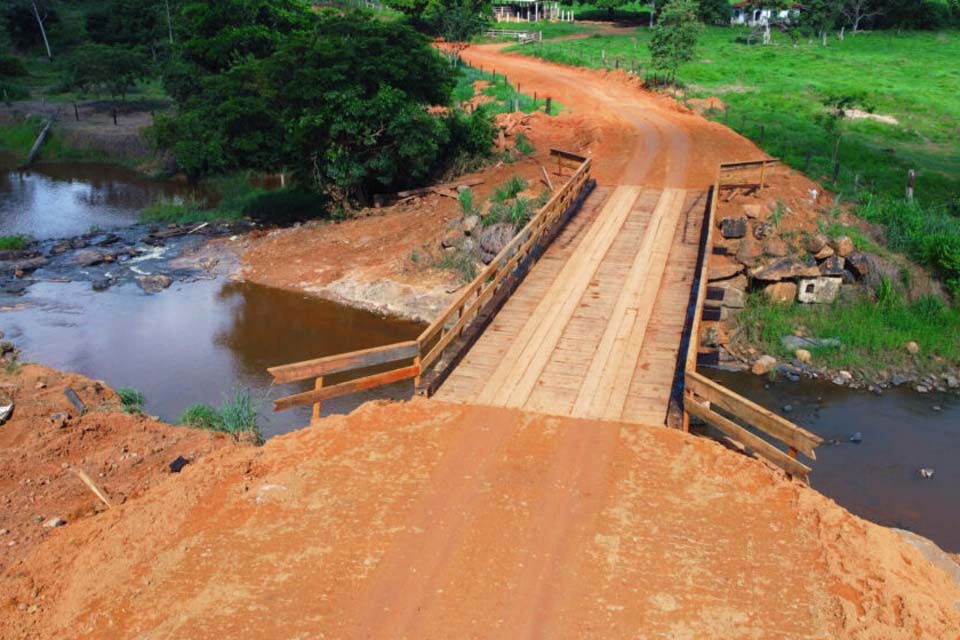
(749, 13)
(529, 11)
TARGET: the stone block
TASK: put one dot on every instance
(818, 290)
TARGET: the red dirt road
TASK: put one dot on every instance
(641, 137)
(432, 520)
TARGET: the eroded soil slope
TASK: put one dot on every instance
(429, 520)
(47, 438)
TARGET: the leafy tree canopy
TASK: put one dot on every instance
(675, 36)
(452, 19)
(101, 68)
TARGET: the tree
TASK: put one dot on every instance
(716, 12)
(856, 11)
(455, 20)
(819, 17)
(675, 36)
(342, 103)
(101, 68)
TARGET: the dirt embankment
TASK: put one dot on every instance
(47, 439)
(426, 519)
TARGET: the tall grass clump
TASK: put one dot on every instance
(237, 415)
(14, 242)
(509, 189)
(929, 234)
(131, 399)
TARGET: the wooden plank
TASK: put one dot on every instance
(759, 445)
(758, 417)
(693, 343)
(344, 362)
(333, 391)
(514, 380)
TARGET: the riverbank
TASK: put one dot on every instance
(403, 504)
(88, 134)
(48, 439)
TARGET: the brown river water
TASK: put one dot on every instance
(199, 340)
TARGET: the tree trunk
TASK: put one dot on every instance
(653, 11)
(43, 31)
(856, 24)
(169, 23)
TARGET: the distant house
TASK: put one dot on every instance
(529, 11)
(750, 13)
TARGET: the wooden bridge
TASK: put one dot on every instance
(593, 310)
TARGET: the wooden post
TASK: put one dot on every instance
(316, 406)
(763, 168)
(416, 380)
(76, 112)
(911, 181)
(836, 171)
(549, 105)
(534, 99)
(114, 116)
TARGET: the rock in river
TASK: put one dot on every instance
(155, 283)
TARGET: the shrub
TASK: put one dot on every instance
(131, 399)
(290, 204)
(523, 145)
(12, 67)
(236, 416)
(466, 200)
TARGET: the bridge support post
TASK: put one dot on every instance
(316, 406)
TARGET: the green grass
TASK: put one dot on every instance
(911, 76)
(502, 92)
(237, 415)
(14, 243)
(236, 194)
(131, 399)
(509, 189)
(872, 330)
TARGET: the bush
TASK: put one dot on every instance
(12, 67)
(286, 205)
(131, 399)
(509, 189)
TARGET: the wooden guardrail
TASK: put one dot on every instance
(703, 397)
(406, 360)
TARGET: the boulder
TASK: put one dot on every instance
(763, 230)
(723, 267)
(733, 227)
(13, 255)
(843, 246)
(781, 292)
(832, 267)
(470, 223)
(31, 264)
(750, 251)
(824, 253)
(494, 238)
(803, 355)
(710, 335)
(734, 298)
(451, 239)
(753, 211)
(763, 365)
(88, 258)
(784, 269)
(818, 290)
(54, 522)
(102, 284)
(60, 247)
(858, 263)
(776, 247)
(815, 242)
(154, 283)
(912, 348)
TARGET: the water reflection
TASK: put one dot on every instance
(55, 200)
(195, 342)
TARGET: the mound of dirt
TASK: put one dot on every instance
(426, 519)
(47, 438)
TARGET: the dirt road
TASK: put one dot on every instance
(432, 520)
(642, 138)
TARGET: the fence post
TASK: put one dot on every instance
(316, 406)
(911, 180)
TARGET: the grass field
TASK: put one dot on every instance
(501, 93)
(912, 77)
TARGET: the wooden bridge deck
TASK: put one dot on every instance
(595, 328)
